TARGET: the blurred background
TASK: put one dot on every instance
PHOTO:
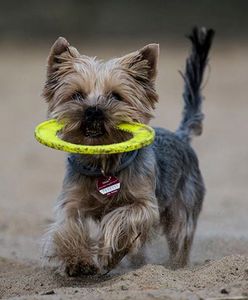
(31, 175)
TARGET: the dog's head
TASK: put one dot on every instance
(92, 96)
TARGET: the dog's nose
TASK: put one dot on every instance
(93, 113)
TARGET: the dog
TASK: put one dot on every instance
(160, 186)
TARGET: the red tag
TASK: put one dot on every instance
(108, 185)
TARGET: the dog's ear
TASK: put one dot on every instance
(57, 64)
(61, 50)
(150, 53)
(144, 62)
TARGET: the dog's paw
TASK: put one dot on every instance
(110, 261)
(81, 269)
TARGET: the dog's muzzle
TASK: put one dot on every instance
(93, 125)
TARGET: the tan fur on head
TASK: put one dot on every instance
(123, 88)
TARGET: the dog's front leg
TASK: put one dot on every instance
(71, 245)
(125, 229)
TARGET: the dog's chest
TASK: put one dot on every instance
(104, 195)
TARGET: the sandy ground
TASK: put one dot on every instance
(31, 175)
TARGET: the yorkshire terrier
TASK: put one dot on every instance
(156, 186)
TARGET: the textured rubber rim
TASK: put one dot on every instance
(142, 135)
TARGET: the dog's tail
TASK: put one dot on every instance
(191, 123)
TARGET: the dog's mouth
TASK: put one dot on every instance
(94, 129)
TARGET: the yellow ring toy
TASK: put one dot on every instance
(142, 135)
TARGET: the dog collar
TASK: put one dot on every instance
(79, 167)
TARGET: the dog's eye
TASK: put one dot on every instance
(78, 96)
(116, 96)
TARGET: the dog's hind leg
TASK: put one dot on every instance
(179, 227)
(179, 219)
